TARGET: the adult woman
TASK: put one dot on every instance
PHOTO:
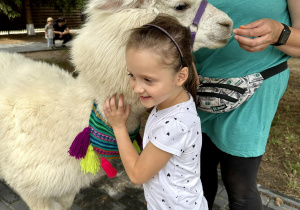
(237, 139)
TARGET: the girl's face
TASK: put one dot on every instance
(155, 83)
(50, 23)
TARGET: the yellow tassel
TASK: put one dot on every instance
(136, 146)
(90, 163)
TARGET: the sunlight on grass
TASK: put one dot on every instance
(275, 137)
(275, 141)
(287, 108)
(291, 138)
(294, 168)
(293, 185)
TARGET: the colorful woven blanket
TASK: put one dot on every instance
(98, 138)
(102, 136)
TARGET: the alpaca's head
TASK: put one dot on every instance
(98, 51)
(212, 32)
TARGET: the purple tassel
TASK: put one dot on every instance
(80, 144)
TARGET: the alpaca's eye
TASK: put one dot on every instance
(181, 7)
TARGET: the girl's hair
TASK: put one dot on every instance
(49, 19)
(154, 39)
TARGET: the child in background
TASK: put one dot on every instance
(49, 33)
(160, 67)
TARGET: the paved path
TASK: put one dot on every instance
(119, 193)
(30, 46)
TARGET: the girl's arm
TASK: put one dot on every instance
(267, 31)
(139, 168)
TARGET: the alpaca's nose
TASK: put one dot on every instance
(225, 27)
(226, 24)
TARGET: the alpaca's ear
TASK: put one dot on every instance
(116, 5)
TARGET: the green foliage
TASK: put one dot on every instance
(11, 8)
(66, 6)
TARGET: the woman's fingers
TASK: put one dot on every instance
(252, 45)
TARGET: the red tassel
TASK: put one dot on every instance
(80, 144)
(108, 168)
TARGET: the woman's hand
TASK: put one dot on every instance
(116, 116)
(258, 35)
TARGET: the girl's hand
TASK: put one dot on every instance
(258, 35)
(116, 116)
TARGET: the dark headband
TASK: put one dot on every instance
(173, 40)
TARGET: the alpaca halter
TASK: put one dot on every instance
(98, 138)
(196, 20)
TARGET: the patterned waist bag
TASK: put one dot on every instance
(216, 95)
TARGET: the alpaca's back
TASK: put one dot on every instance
(42, 110)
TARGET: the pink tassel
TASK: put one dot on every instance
(108, 168)
(80, 144)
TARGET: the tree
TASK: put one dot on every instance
(29, 22)
(11, 8)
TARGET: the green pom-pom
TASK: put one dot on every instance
(90, 163)
(136, 146)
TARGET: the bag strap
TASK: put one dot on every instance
(274, 70)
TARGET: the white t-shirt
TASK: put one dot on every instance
(176, 130)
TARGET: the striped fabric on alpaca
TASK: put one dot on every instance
(102, 136)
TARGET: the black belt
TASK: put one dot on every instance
(274, 70)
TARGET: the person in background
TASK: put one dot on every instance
(49, 33)
(266, 34)
(61, 31)
(160, 67)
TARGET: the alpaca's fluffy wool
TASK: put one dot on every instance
(43, 108)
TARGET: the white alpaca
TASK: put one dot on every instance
(43, 108)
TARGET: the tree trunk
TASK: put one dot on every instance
(29, 23)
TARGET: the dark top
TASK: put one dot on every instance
(57, 28)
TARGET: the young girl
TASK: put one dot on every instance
(159, 62)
